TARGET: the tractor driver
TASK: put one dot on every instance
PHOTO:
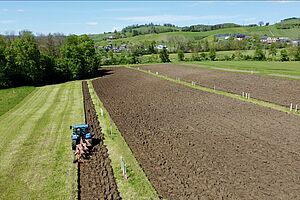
(78, 131)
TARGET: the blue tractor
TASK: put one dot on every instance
(81, 132)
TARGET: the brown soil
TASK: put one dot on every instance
(277, 90)
(96, 179)
(197, 145)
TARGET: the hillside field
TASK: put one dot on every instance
(35, 146)
(12, 96)
(292, 33)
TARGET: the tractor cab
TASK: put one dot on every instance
(80, 131)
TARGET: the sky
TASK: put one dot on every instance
(91, 17)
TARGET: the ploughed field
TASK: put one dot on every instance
(193, 144)
(276, 90)
(95, 178)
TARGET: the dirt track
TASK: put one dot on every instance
(195, 145)
(277, 90)
(96, 179)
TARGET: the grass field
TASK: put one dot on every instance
(291, 68)
(35, 148)
(12, 96)
(220, 54)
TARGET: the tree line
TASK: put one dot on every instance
(26, 59)
(143, 29)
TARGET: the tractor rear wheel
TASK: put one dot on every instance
(90, 142)
(73, 144)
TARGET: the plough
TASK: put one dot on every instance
(81, 141)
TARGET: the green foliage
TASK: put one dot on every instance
(23, 60)
(233, 56)
(239, 55)
(79, 54)
(153, 58)
(284, 55)
(4, 81)
(297, 54)
(203, 56)
(212, 54)
(202, 27)
(36, 60)
(195, 56)
(2, 51)
(180, 55)
(288, 23)
(273, 50)
(164, 55)
(259, 54)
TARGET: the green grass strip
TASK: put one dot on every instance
(289, 69)
(9, 98)
(137, 186)
(219, 92)
(35, 144)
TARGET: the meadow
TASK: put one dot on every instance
(12, 96)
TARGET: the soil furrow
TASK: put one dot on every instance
(96, 179)
(193, 144)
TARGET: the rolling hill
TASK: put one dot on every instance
(286, 28)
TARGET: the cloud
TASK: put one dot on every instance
(20, 10)
(4, 10)
(116, 28)
(7, 21)
(173, 18)
(199, 3)
(124, 9)
(92, 23)
(69, 23)
(283, 1)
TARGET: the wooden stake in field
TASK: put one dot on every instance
(243, 94)
(249, 96)
(110, 131)
(101, 111)
(214, 88)
(156, 73)
(291, 107)
(246, 95)
(123, 168)
(296, 108)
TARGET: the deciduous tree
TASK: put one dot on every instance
(284, 55)
(180, 55)
(164, 55)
